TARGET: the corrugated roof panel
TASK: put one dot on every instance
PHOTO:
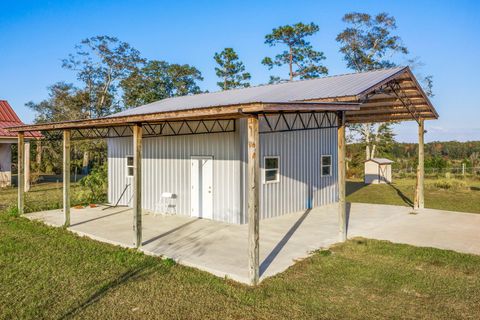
(9, 118)
(319, 88)
(7, 113)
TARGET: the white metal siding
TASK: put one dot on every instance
(5, 164)
(301, 184)
(166, 168)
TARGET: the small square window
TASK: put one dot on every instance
(272, 172)
(326, 171)
(326, 165)
(129, 166)
(326, 160)
(271, 163)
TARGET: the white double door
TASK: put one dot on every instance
(201, 177)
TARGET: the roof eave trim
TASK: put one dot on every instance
(192, 114)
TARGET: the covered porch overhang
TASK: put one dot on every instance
(397, 98)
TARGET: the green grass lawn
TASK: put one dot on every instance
(44, 196)
(465, 198)
(51, 273)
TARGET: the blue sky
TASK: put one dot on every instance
(36, 35)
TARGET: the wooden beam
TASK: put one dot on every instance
(191, 114)
(419, 202)
(21, 172)
(386, 119)
(137, 185)
(27, 166)
(253, 200)
(393, 110)
(390, 102)
(342, 203)
(66, 178)
(398, 116)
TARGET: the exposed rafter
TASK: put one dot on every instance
(164, 128)
(398, 97)
(281, 122)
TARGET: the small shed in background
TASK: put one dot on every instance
(378, 170)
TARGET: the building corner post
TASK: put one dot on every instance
(419, 201)
(21, 172)
(253, 163)
(137, 185)
(27, 166)
(66, 178)
(342, 203)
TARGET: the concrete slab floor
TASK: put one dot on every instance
(211, 246)
(221, 248)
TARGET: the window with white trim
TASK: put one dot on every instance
(326, 165)
(129, 166)
(272, 171)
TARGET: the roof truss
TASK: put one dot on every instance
(397, 98)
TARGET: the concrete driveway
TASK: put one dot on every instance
(221, 248)
(429, 228)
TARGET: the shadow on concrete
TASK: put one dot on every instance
(168, 232)
(405, 199)
(273, 254)
(101, 217)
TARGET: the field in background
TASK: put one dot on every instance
(440, 193)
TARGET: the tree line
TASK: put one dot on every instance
(438, 155)
(112, 76)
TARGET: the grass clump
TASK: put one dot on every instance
(448, 184)
(12, 211)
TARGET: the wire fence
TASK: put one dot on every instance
(454, 171)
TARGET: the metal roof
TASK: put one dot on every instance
(7, 114)
(320, 88)
(381, 160)
(9, 118)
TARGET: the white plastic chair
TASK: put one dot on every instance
(167, 204)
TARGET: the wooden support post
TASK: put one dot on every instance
(21, 172)
(253, 200)
(27, 166)
(342, 203)
(419, 202)
(137, 185)
(66, 178)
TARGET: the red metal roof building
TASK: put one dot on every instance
(9, 118)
